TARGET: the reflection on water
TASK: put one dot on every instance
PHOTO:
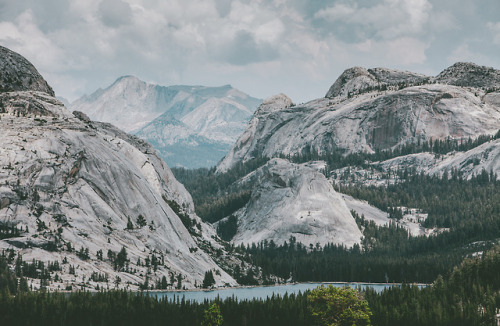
(261, 292)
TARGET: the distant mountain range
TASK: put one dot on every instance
(189, 126)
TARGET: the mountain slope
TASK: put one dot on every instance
(485, 157)
(128, 103)
(370, 111)
(294, 200)
(405, 110)
(192, 126)
(468, 74)
(359, 79)
(18, 74)
(72, 187)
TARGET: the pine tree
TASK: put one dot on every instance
(213, 316)
(208, 280)
(141, 221)
(130, 226)
(121, 258)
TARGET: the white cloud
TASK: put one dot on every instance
(115, 13)
(270, 31)
(264, 46)
(337, 12)
(406, 51)
(403, 51)
(495, 30)
(388, 19)
(463, 53)
(23, 36)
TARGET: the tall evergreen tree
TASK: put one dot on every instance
(208, 280)
(213, 316)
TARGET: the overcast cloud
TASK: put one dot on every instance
(262, 47)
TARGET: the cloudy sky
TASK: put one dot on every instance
(262, 47)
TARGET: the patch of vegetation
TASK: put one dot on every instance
(188, 222)
(227, 229)
(214, 194)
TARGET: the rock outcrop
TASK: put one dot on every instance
(294, 200)
(358, 79)
(375, 119)
(468, 74)
(18, 74)
(485, 157)
(74, 188)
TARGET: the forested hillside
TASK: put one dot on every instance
(468, 209)
(468, 296)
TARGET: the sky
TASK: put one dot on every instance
(262, 47)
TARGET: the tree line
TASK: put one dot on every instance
(469, 209)
(467, 296)
(216, 195)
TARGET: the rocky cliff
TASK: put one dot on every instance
(18, 74)
(294, 200)
(409, 108)
(468, 74)
(358, 79)
(73, 188)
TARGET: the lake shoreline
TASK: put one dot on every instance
(276, 285)
(259, 292)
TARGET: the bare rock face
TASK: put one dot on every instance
(358, 79)
(73, 187)
(391, 77)
(352, 79)
(373, 120)
(473, 162)
(364, 111)
(275, 103)
(468, 74)
(249, 144)
(294, 200)
(485, 157)
(29, 104)
(68, 182)
(18, 74)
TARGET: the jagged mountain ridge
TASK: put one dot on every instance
(191, 126)
(69, 184)
(466, 74)
(376, 118)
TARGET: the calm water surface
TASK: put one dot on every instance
(260, 292)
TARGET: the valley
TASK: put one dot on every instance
(423, 194)
(392, 177)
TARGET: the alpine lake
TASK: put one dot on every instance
(258, 292)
